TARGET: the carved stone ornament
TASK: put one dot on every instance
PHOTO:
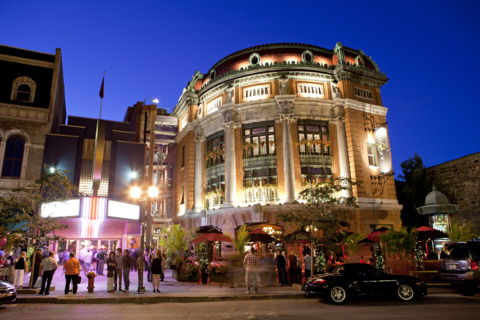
(285, 103)
(229, 115)
(199, 136)
(199, 113)
(230, 95)
(286, 118)
(283, 82)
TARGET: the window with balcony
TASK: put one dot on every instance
(260, 163)
(314, 149)
(215, 175)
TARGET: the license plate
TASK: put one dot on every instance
(452, 267)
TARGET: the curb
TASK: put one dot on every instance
(160, 299)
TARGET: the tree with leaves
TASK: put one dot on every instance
(20, 220)
(176, 243)
(461, 232)
(324, 207)
(412, 187)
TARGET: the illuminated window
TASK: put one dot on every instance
(256, 92)
(215, 173)
(184, 121)
(310, 90)
(372, 154)
(313, 138)
(362, 93)
(213, 105)
(259, 140)
(13, 158)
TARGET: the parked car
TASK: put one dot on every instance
(459, 265)
(359, 279)
(8, 293)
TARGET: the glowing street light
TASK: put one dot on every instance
(136, 193)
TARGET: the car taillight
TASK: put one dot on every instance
(473, 265)
(319, 281)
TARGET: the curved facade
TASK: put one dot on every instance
(267, 121)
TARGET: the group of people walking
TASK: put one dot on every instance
(119, 265)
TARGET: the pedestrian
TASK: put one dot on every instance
(164, 259)
(157, 270)
(47, 269)
(308, 265)
(281, 263)
(72, 270)
(36, 268)
(21, 267)
(87, 260)
(66, 255)
(250, 262)
(299, 268)
(292, 267)
(118, 270)
(270, 268)
(101, 261)
(126, 269)
(134, 258)
(111, 267)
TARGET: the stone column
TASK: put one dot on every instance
(343, 153)
(230, 168)
(198, 190)
(288, 170)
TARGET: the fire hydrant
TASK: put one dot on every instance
(91, 281)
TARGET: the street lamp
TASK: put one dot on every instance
(136, 193)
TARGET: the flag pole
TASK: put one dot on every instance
(101, 95)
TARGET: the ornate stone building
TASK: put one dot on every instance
(32, 104)
(267, 121)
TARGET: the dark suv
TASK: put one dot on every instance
(459, 265)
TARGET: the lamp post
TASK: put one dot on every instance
(136, 193)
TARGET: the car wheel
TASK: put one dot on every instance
(406, 292)
(468, 290)
(338, 294)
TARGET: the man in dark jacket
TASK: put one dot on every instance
(281, 263)
(126, 269)
(292, 267)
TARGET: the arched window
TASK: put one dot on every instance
(23, 89)
(23, 92)
(12, 161)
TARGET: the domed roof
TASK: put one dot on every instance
(436, 197)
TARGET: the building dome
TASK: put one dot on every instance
(436, 197)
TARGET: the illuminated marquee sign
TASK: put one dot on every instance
(93, 213)
(61, 209)
(122, 210)
(383, 149)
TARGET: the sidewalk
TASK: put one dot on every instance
(171, 291)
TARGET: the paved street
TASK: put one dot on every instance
(438, 307)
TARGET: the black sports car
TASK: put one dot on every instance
(354, 279)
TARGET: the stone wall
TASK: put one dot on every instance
(459, 180)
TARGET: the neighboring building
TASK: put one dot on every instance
(101, 168)
(459, 180)
(159, 160)
(32, 104)
(266, 122)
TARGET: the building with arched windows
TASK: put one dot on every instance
(268, 121)
(32, 104)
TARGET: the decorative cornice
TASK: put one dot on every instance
(360, 75)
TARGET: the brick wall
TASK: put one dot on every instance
(459, 180)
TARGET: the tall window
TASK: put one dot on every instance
(214, 160)
(314, 148)
(259, 165)
(313, 139)
(259, 141)
(12, 162)
(372, 155)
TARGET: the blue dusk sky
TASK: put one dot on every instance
(151, 48)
